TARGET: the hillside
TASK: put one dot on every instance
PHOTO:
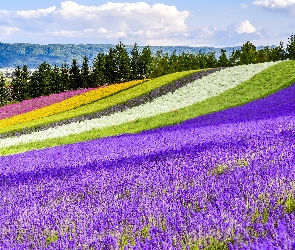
(196, 159)
(17, 54)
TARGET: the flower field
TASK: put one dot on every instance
(36, 103)
(68, 104)
(220, 176)
(104, 103)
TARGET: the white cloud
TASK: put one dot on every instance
(111, 21)
(102, 30)
(246, 27)
(35, 13)
(6, 31)
(156, 24)
(245, 6)
(275, 4)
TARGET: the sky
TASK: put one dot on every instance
(212, 23)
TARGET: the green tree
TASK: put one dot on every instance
(201, 60)
(19, 83)
(110, 67)
(75, 76)
(122, 60)
(3, 91)
(56, 85)
(85, 74)
(40, 81)
(210, 59)
(64, 77)
(160, 64)
(135, 63)
(145, 62)
(235, 57)
(291, 47)
(279, 52)
(223, 61)
(188, 61)
(263, 55)
(173, 63)
(248, 53)
(98, 75)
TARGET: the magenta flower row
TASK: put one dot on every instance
(36, 103)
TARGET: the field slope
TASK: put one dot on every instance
(216, 171)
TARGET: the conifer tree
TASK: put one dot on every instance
(160, 64)
(210, 60)
(19, 83)
(3, 91)
(248, 53)
(98, 75)
(173, 63)
(201, 60)
(64, 77)
(234, 58)
(291, 47)
(122, 60)
(40, 81)
(75, 76)
(223, 61)
(280, 53)
(110, 67)
(135, 63)
(85, 74)
(56, 85)
(263, 55)
(145, 62)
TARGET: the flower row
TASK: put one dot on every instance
(37, 103)
(197, 91)
(146, 97)
(102, 104)
(68, 104)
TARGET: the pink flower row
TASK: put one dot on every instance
(36, 103)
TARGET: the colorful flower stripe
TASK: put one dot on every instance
(68, 104)
(164, 89)
(104, 103)
(202, 89)
(37, 103)
(171, 188)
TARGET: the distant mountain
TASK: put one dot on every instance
(18, 54)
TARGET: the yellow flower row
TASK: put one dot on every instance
(68, 104)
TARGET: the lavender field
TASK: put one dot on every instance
(224, 180)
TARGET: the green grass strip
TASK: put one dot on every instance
(269, 81)
(104, 103)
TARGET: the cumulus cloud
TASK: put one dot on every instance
(282, 6)
(156, 24)
(6, 31)
(35, 13)
(133, 21)
(245, 6)
(245, 27)
(233, 35)
(275, 4)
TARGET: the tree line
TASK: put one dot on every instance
(120, 66)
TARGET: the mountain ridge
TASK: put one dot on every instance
(32, 55)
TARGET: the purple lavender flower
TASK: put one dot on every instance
(217, 180)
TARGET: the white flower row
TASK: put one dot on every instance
(197, 91)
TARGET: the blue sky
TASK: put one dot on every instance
(185, 22)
